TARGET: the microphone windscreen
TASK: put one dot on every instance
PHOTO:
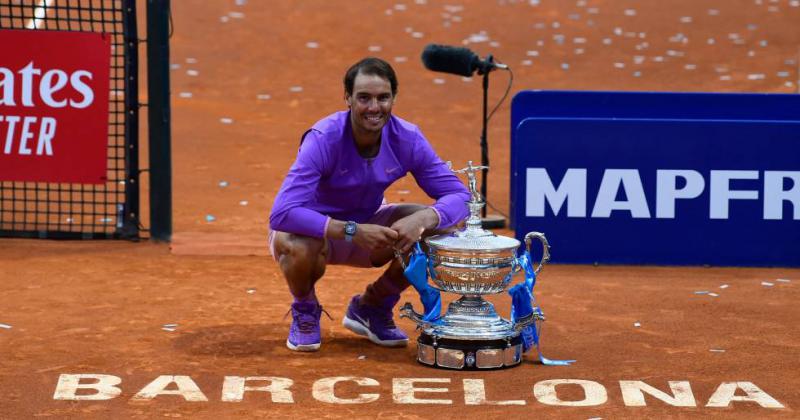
(455, 60)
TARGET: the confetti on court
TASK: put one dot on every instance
(251, 290)
(236, 15)
(226, 120)
(191, 60)
(243, 203)
(5, 326)
(169, 327)
(185, 95)
(296, 89)
(312, 44)
(717, 350)
(701, 292)
(374, 48)
(210, 218)
(400, 59)
(193, 73)
(637, 324)
(712, 294)
(263, 96)
(438, 81)
(767, 284)
(362, 357)
(783, 280)
(724, 286)
(223, 184)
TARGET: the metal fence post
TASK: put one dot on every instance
(160, 156)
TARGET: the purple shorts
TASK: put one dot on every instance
(342, 252)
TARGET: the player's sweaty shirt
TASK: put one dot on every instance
(330, 179)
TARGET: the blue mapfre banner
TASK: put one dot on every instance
(660, 191)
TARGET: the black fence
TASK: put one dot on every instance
(84, 211)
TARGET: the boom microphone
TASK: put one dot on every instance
(456, 60)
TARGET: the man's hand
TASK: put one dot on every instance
(410, 228)
(374, 236)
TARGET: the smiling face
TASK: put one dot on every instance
(370, 107)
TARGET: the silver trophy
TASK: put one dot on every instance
(473, 262)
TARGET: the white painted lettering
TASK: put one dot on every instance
(475, 394)
(82, 88)
(631, 183)
(595, 393)
(540, 188)
(775, 195)
(726, 391)
(721, 192)
(234, 387)
(26, 135)
(47, 88)
(104, 385)
(27, 73)
(186, 388)
(323, 390)
(7, 86)
(667, 190)
(46, 133)
(404, 391)
(633, 393)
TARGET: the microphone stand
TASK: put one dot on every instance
(491, 221)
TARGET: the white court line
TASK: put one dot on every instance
(38, 14)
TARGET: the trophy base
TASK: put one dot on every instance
(469, 354)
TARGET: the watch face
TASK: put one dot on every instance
(350, 228)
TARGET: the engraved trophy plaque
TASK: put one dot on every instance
(473, 262)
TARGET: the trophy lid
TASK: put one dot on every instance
(473, 237)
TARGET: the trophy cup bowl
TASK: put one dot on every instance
(473, 262)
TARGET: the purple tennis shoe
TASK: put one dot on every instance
(375, 322)
(304, 334)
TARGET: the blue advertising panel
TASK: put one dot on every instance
(645, 105)
(673, 192)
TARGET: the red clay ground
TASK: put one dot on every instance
(99, 307)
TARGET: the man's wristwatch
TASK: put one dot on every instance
(349, 231)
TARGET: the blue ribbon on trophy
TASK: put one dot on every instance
(522, 305)
(417, 274)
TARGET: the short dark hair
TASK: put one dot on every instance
(371, 66)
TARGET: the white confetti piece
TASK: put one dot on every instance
(374, 48)
(794, 3)
(690, 66)
(710, 41)
(477, 38)
(226, 120)
(296, 89)
(403, 192)
(564, 66)
(527, 62)
(362, 357)
(400, 59)
(185, 95)
(417, 35)
(783, 74)
(637, 324)
(251, 291)
(783, 280)
(532, 53)
(466, 79)
(191, 60)
(607, 41)
(312, 44)
(725, 77)
(717, 350)
(579, 40)
(712, 294)
(756, 76)
(686, 19)
(174, 66)
(210, 218)
(637, 74)
(400, 6)
(630, 12)
(236, 15)
(170, 325)
(701, 292)
(439, 81)
(713, 12)
(243, 203)
(168, 329)
(619, 65)
(224, 19)
(223, 184)
(241, 2)
(263, 96)
(724, 286)
(5, 326)
(193, 73)
(767, 284)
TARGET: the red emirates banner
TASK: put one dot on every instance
(54, 94)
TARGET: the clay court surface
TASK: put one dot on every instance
(265, 71)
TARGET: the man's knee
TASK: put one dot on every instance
(299, 249)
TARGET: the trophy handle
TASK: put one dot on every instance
(545, 248)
